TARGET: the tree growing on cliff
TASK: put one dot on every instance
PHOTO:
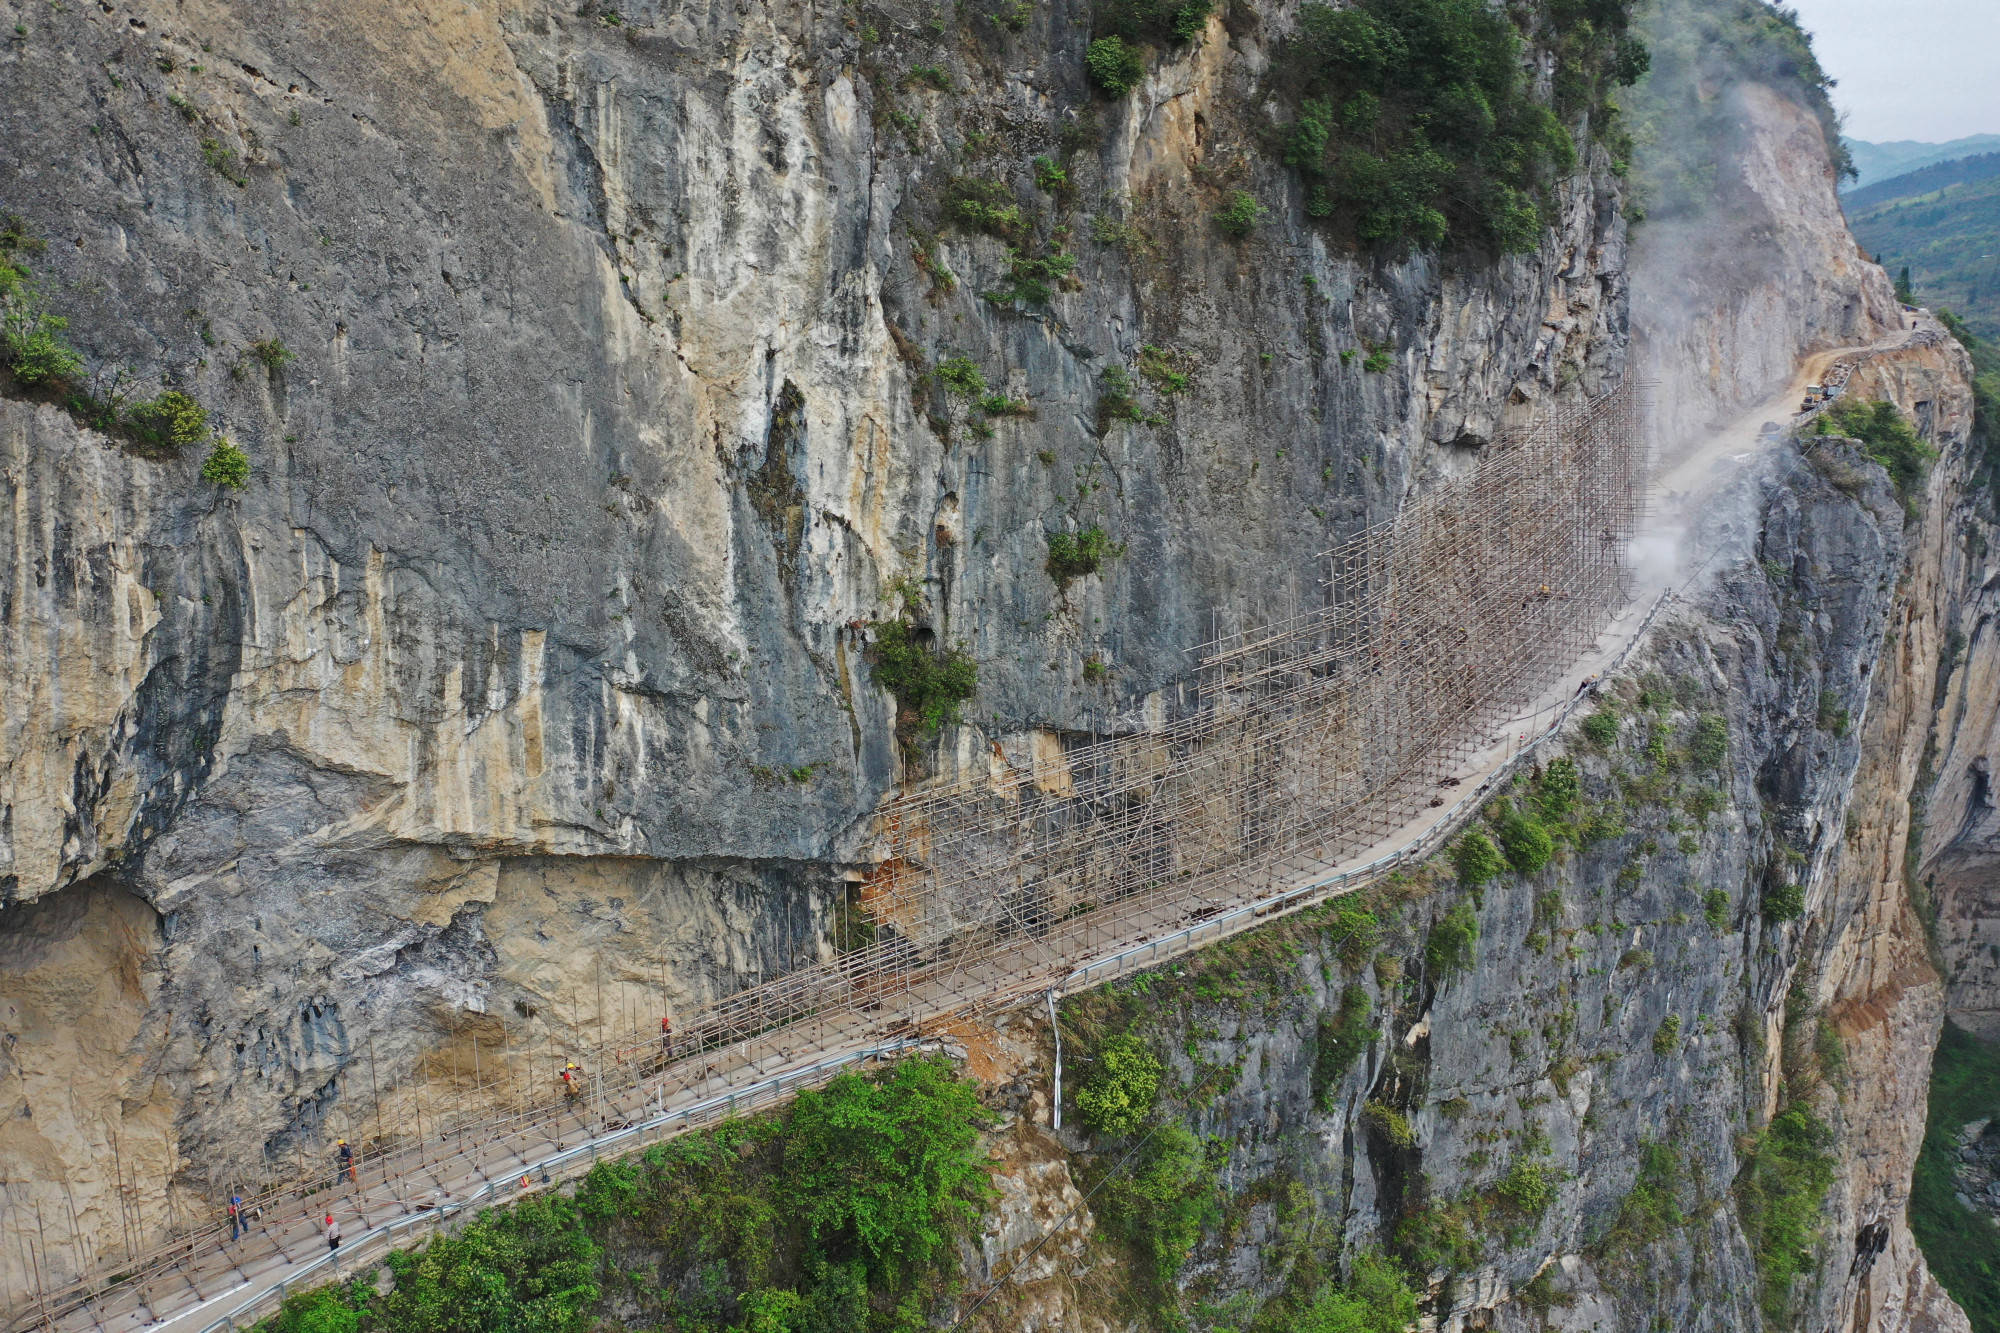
(1119, 1094)
(1477, 860)
(1525, 842)
(1888, 439)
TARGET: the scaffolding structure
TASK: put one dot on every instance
(1312, 738)
(1308, 741)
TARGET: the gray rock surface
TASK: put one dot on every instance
(478, 715)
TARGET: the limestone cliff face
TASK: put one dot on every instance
(1637, 1014)
(1961, 834)
(526, 682)
(1639, 1006)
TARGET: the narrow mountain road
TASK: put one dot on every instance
(208, 1281)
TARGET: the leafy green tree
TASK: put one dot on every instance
(1476, 859)
(1118, 1096)
(531, 1268)
(886, 1167)
(1114, 65)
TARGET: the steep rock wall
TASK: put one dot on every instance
(1635, 1015)
(527, 681)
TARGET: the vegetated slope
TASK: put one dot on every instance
(1685, 120)
(1881, 161)
(837, 1214)
(1962, 1245)
(1943, 224)
(1958, 171)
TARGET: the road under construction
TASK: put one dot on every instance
(1318, 755)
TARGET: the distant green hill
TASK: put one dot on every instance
(1925, 181)
(1879, 161)
(1943, 224)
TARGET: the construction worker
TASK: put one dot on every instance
(572, 1078)
(667, 1037)
(332, 1234)
(346, 1167)
(236, 1227)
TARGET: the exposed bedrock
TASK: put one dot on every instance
(531, 664)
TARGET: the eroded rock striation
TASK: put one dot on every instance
(646, 361)
(528, 679)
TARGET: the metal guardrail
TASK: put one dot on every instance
(1300, 896)
(772, 1089)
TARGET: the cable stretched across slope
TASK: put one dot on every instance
(1308, 742)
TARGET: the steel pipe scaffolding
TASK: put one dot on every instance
(1307, 742)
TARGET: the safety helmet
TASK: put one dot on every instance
(342, 1143)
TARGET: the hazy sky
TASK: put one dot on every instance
(1910, 69)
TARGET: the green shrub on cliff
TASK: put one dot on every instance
(1343, 1036)
(1784, 902)
(1452, 946)
(1888, 439)
(1162, 1203)
(930, 682)
(226, 466)
(1375, 1298)
(1525, 842)
(840, 1212)
(32, 344)
(1114, 65)
(1118, 1096)
(169, 423)
(1072, 555)
(1476, 859)
(1779, 1190)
